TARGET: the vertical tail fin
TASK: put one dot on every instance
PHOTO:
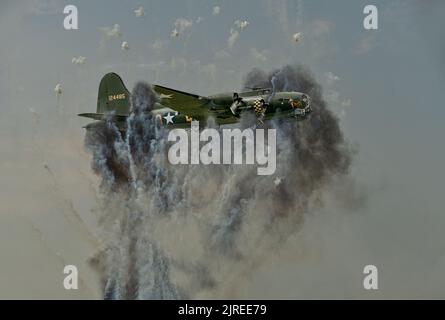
(113, 95)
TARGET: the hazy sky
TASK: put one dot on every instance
(385, 85)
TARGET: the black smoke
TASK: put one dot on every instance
(318, 143)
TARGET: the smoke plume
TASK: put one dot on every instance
(189, 231)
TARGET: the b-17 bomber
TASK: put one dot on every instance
(177, 109)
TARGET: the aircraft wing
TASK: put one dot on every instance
(186, 103)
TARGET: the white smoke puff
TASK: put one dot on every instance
(242, 24)
(139, 12)
(331, 78)
(174, 33)
(114, 31)
(297, 37)
(234, 35)
(78, 61)
(216, 10)
(125, 46)
(199, 19)
(58, 89)
(181, 25)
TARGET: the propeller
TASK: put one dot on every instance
(237, 102)
(259, 106)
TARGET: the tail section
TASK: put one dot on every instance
(113, 96)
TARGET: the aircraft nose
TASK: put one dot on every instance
(305, 99)
(303, 105)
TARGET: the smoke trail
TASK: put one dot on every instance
(193, 231)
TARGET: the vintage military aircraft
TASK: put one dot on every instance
(178, 109)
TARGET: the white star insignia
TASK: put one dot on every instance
(169, 118)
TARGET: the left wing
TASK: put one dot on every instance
(186, 103)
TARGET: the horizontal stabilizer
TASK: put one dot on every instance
(102, 116)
